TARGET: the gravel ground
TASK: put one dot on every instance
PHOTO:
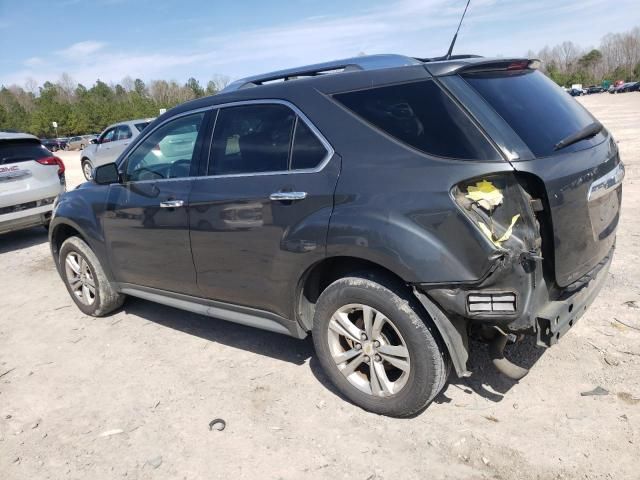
(131, 395)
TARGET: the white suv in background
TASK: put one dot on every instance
(31, 178)
(110, 144)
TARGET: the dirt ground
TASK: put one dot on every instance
(131, 395)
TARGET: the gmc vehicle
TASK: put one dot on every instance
(388, 205)
(31, 177)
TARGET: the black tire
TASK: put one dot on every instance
(106, 298)
(84, 163)
(429, 364)
(82, 146)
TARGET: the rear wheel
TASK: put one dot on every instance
(85, 279)
(87, 170)
(82, 146)
(376, 348)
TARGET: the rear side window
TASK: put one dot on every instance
(539, 111)
(123, 133)
(252, 139)
(308, 150)
(141, 126)
(423, 116)
(20, 151)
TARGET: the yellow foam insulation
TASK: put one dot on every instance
(505, 236)
(485, 194)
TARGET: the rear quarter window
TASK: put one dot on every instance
(423, 116)
(21, 151)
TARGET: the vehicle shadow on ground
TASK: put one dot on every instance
(22, 239)
(524, 354)
(261, 342)
(288, 349)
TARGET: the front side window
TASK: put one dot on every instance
(108, 136)
(252, 139)
(423, 116)
(167, 152)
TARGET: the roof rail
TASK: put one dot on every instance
(367, 62)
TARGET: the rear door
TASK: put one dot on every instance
(542, 114)
(259, 217)
(146, 223)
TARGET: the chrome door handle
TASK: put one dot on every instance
(172, 204)
(287, 196)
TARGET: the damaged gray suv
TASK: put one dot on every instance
(390, 206)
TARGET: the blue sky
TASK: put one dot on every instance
(177, 39)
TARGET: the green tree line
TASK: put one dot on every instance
(80, 110)
(616, 58)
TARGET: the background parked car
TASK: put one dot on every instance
(630, 87)
(595, 89)
(54, 144)
(110, 144)
(576, 92)
(30, 180)
(81, 141)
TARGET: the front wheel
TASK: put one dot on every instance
(376, 348)
(87, 170)
(85, 279)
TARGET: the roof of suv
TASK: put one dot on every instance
(17, 136)
(436, 66)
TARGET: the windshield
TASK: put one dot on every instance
(539, 111)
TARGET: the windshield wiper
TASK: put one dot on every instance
(589, 131)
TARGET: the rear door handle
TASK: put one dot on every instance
(172, 204)
(287, 196)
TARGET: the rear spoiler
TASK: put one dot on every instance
(474, 65)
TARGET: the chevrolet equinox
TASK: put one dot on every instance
(388, 205)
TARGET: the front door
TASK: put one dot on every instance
(111, 144)
(146, 222)
(259, 218)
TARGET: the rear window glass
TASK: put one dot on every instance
(539, 111)
(20, 151)
(421, 115)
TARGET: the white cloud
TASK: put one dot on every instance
(410, 27)
(33, 62)
(81, 49)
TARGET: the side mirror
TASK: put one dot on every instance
(94, 141)
(106, 174)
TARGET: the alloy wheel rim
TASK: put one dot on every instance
(369, 350)
(87, 171)
(80, 278)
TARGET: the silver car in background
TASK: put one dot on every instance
(31, 178)
(110, 144)
(80, 141)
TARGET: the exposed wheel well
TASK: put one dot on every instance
(60, 234)
(324, 273)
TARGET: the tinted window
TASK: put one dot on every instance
(123, 133)
(308, 151)
(20, 151)
(423, 116)
(539, 111)
(141, 126)
(167, 152)
(251, 139)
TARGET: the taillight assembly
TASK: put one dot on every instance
(52, 161)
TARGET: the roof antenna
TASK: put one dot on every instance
(455, 37)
